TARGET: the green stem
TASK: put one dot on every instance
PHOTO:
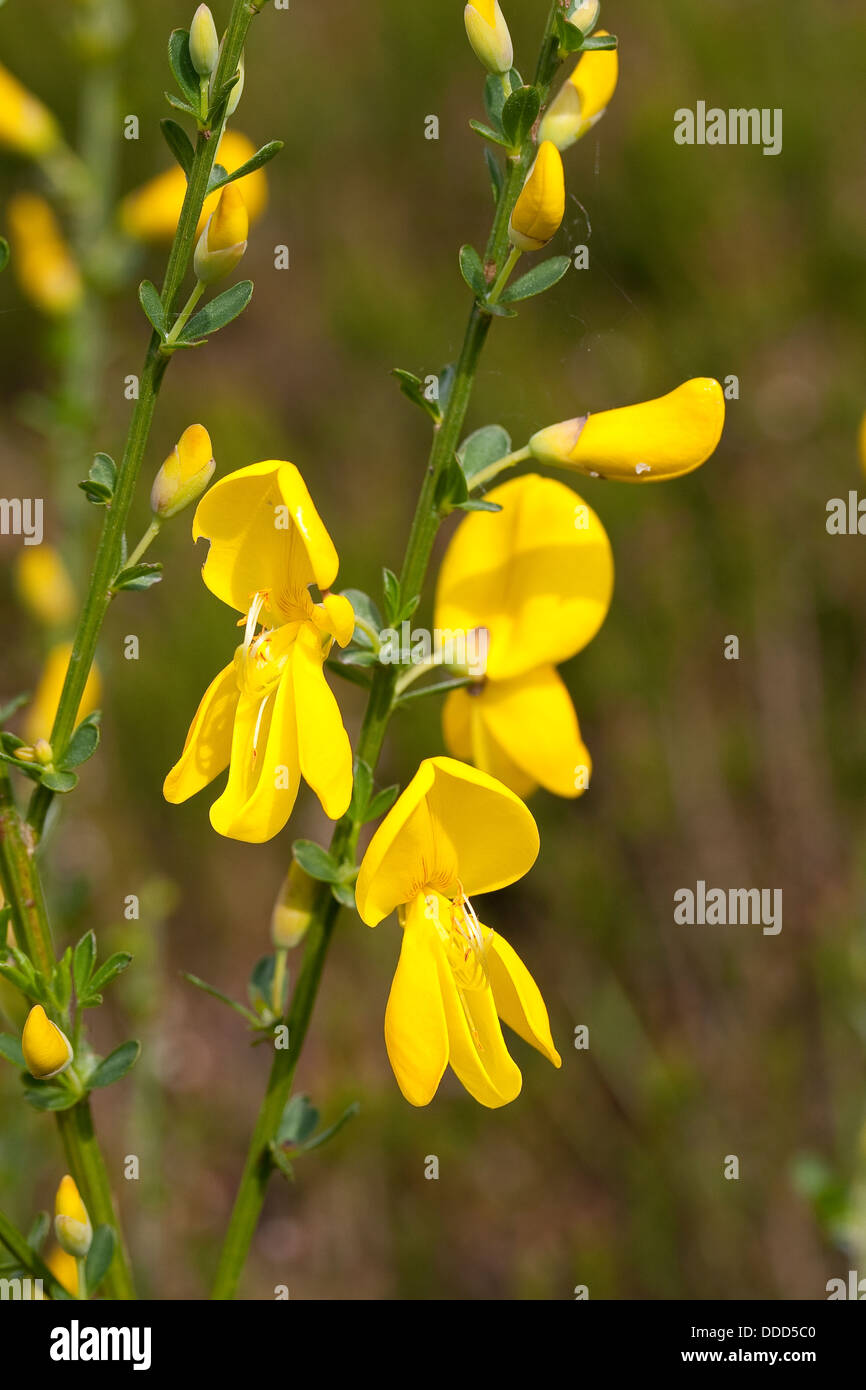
(504, 275)
(498, 466)
(29, 1259)
(87, 1167)
(380, 704)
(183, 317)
(144, 544)
(21, 882)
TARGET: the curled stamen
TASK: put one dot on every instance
(259, 600)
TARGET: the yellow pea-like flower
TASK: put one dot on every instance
(47, 1050)
(453, 833)
(151, 213)
(647, 443)
(582, 101)
(40, 713)
(224, 239)
(26, 126)
(64, 1267)
(44, 585)
(537, 579)
(204, 42)
(540, 208)
(185, 474)
(71, 1222)
(43, 263)
(489, 36)
(293, 910)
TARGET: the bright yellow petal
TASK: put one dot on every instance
(151, 213)
(339, 618)
(540, 208)
(582, 101)
(651, 442)
(477, 1050)
(538, 575)
(517, 997)
(532, 718)
(323, 745)
(64, 1268)
(265, 536)
(490, 756)
(207, 749)
(264, 772)
(451, 826)
(416, 1035)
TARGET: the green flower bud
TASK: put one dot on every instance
(203, 42)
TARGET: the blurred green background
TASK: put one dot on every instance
(704, 1041)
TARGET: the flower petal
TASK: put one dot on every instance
(532, 719)
(538, 575)
(416, 1035)
(264, 773)
(207, 749)
(517, 997)
(467, 736)
(324, 750)
(477, 1048)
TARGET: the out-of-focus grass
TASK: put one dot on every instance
(704, 1042)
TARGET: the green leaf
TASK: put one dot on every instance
(519, 115)
(260, 989)
(364, 608)
(142, 576)
(83, 743)
(218, 994)
(481, 449)
(62, 979)
(182, 66)
(324, 1135)
(494, 99)
(344, 893)
(10, 1048)
(99, 485)
(362, 787)
(182, 106)
(44, 1095)
(316, 862)
(414, 390)
(38, 1231)
(178, 142)
(596, 42)
(83, 961)
(357, 657)
(262, 156)
(148, 298)
(487, 133)
(219, 312)
(347, 671)
(472, 270)
(59, 781)
(391, 587)
(281, 1162)
(114, 966)
(494, 169)
(540, 278)
(382, 802)
(115, 1065)
(4, 253)
(215, 177)
(7, 711)
(99, 1257)
(477, 504)
(298, 1121)
(570, 38)
(447, 377)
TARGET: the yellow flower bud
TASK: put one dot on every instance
(204, 42)
(185, 473)
(293, 910)
(46, 1049)
(39, 719)
(224, 239)
(151, 213)
(488, 34)
(540, 208)
(585, 17)
(64, 1268)
(43, 585)
(582, 101)
(26, 126)
(43, 264)
(651, 442)
(71, 1222)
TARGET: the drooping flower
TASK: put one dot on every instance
(71, 1223)
(583, 99)
(540, 208)
(44, 585)
(44, 265)
(47, 1050)
(647, 443)
(26, 126)
(270, 716)
(224, 239)
(151, 213)
(40, 713)
(453, 833)
(488, 34)
(537, 577)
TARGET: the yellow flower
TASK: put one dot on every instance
(44, 585)
(488, 34)
(47, 1050)
(582, 101)
(39, 717)
(71, 1223)
(540, 208)
(537, 577)
(150, 213)
(453, 833)
(64, 1268)
(270, 716)
(43, 263)
(647, 443)
(224, 239)
(26, 126)
(185, 473)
